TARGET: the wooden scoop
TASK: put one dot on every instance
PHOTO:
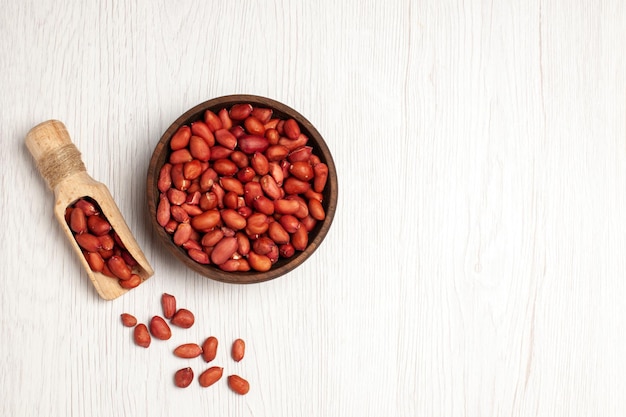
(59, 162)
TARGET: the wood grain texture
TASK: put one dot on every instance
(475, 264)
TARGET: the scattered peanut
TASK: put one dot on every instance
(159, 328)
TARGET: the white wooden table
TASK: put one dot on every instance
(476, 263)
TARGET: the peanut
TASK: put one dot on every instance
(209, 349)
(259, 163)
(206, 221)
(300, 238)
(201, 129)
(118, 267)
(199, 256)
(225, 166)
(254, 126)
(252, 143)
(183, 318)
(316, 209)
(240, 111)
(321, 176)
(131, 282)
(188, 351)
(278, 233)
(182, 234)
(87, 206)
(226, 139)
(168, 304)
(159, 328)
(287, 250)
(223, 250)
(260, 263)
(183, 377)
(97, 225)
(78, 220)
(141, 335)
(210, 376)
(108, 243)
(165, 177)
(233, 219)
(291, 128)
(301, 170)
(227, 122)
(238, 384)
(163, 211)
(263, 114)
(238, 350)
(180, 156)
(180, 138)
(128, 320)
(88, 242)
(220, 152)
(95, 261)
(192, 170)
(212, 121)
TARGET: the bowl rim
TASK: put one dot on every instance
(321, 149)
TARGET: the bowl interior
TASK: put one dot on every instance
(283, 265)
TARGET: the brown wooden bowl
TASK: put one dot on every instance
(282, 266)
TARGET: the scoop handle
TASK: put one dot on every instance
(56, 156)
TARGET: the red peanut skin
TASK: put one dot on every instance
(240, 111)
(301, 170)
(260, 263)
(223, 250)
(199, 148)
(119, 268)
(168, 304)
(180, 138)
(226, 139)
(78, 220)
(278, 233)
(183, 377)
(98, 226)
(159, 328)
(201, 129)
(300, 239)
(88, 242)
(206, 221)
(259, 163)
(199, 256)
(321, 176)
(210, 376)
(238, 384)
(95, 261)
(238, 350)
(142, 336)
(183, 318)
(130, 283)
(209, 349)
(293, 185)
(212, 121)
(291, 129)
(254, 126)
(252, 143)
(182, 234)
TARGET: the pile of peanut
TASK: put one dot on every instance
(241, 189)
(159, 329)
(103, 249)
